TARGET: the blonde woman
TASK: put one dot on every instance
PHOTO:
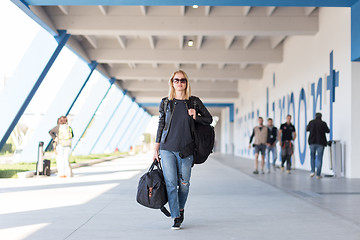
(174, 134)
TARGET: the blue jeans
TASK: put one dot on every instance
(177, 172)
(274, 155)
(320, 151)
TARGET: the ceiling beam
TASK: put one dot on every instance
(178, 56)
(276, 40)
(181, 41)
(104, 9)
(228, 41)
(207, 10)
(309, 10)
(247, 41)
(207, 26)
(143, 10)
(270, 11)
(132, 65)
(91, 40)
(42, 14)
(64, 9)
(200, 40)
(152, 41)
(251, 72)
(292, 3)
(243, 65)
(182, 10)
(122, 41)
(246, 10)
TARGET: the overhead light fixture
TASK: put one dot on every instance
(195, 6)
(190, 43)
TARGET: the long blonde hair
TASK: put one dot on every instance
(172, 89)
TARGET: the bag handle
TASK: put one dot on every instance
(155, 163)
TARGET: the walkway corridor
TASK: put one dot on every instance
(225, 203)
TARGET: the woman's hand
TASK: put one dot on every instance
(156, 152)
(192, 113)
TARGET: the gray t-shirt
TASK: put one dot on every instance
(179, 132)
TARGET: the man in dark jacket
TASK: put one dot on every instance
(271, 144)
(317, 142)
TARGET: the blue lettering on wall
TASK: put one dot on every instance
(332, 83)
(316, 95)
(247, 122)
(291, 103)
(281, 108)
(302, 152)
(273, 108)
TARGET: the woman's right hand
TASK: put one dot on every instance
(156, 152)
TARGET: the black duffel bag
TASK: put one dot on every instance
(151, 190)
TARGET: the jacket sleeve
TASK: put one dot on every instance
(252, 136)
(308, 127)
(327, 130)
(53, 132)
(161, 121)
(203, 115)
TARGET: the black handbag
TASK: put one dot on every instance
(151, 190)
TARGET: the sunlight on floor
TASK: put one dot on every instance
(19, 233)
(25, 195)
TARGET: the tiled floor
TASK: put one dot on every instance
(226, 202)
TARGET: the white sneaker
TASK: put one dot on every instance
(312, 174)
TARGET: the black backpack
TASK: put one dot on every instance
(203, 135)
(204, 142)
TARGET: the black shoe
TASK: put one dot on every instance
(177, 224)
(181, 216)
(256, 172)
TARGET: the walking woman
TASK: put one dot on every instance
(174, 134)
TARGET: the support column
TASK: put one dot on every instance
(119, 125)
(112, 80)
(142, 124)
(107, 123)
(62, 38)
(132, 125)
(127, 127)
(92, 67)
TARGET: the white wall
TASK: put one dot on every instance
(305, 60)
(355, 116)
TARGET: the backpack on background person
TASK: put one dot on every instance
(65, 135)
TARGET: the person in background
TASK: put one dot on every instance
(54, 132)
(271, 144)
(62, 145)
(260, 133)
(317, 141)
(287, 134)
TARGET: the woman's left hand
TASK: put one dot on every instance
(192, 113)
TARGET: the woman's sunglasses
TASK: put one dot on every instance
(181, 80)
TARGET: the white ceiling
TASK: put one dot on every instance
(142, 45)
